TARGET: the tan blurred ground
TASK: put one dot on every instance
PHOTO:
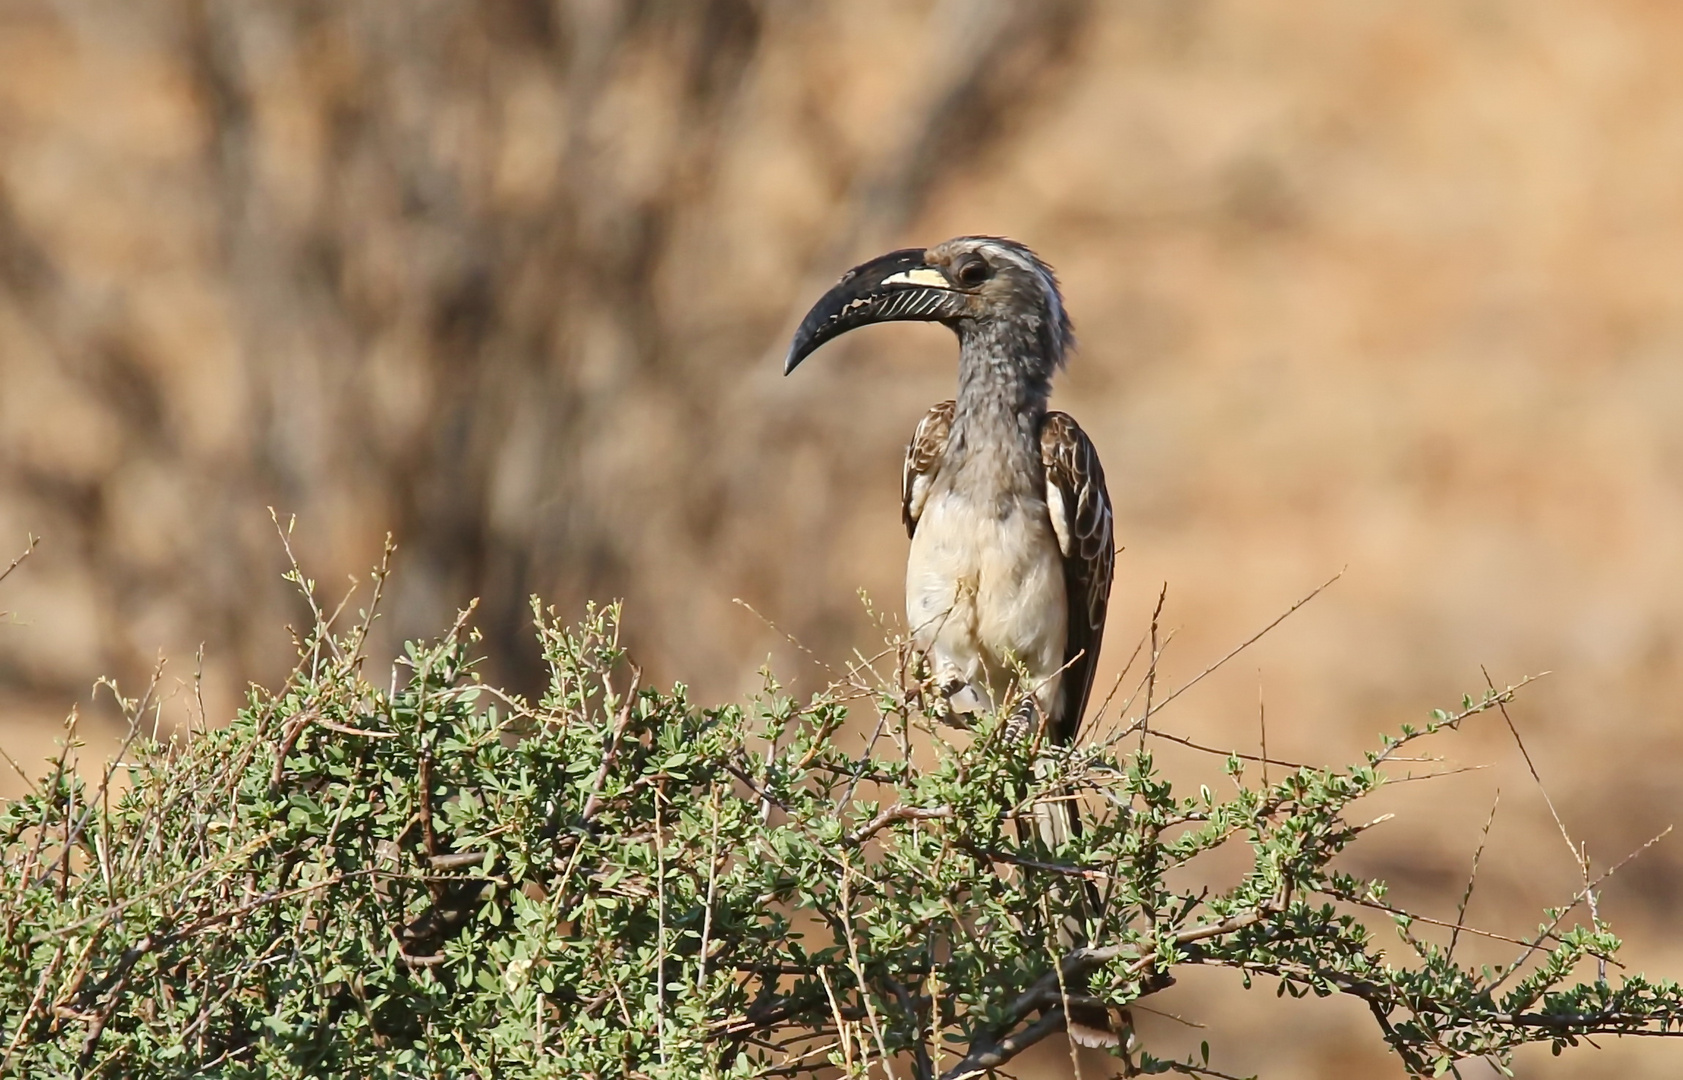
(1393, 286)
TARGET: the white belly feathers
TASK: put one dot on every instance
(985, 593)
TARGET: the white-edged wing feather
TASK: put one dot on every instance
(923, 457)
(1081, 518)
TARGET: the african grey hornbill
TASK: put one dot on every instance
(1004, 500)
(1005, 503)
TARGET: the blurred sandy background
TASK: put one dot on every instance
(1394, 285)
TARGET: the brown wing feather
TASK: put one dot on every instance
(1072, 468)
(923, 456)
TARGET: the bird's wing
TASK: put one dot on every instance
(1080, 508)
(923, 456)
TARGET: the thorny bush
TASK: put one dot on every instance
(436, 878)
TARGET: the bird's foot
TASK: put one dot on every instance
(953, 703)
(1024, 722)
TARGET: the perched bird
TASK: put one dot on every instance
(1004, 500)
(1009, 573)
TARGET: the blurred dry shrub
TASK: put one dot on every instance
(499, 278)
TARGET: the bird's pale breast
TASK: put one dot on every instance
(983, 591)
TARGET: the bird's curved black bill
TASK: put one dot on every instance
(899, 285)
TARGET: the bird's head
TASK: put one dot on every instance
(981, 286)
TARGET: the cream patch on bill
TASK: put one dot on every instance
(923, 275)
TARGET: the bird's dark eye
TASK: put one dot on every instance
(972, 272)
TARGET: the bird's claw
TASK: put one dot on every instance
(1025, 719)
(952, 704)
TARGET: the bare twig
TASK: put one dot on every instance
(1182, 740)
(1547, 932)
(1472, 875)
(1458, 926)
(785, 635)
(593, 802)
(1453, 723)
(1104, 705)
(1439, 775)
(306, 588)
(922, 1066)
(1579, 859)
(134, 712)
(712, 891)
(858, 968)
(1151, 670)
(33, 542)
(1151, 709)
(660, 928)
(897, 812)
(991, 1055)
(457, 860)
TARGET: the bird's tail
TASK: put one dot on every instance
(1095, 1024)
(1056, 818)
(1089, 1022)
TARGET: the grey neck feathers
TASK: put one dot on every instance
(1004, 381)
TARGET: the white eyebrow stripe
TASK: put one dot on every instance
(1048, 282)
(922, 275)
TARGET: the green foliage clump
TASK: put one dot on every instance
(436, 878)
